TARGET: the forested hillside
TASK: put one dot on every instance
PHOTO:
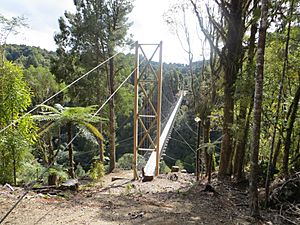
(29, 55)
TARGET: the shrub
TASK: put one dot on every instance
(58, 172)
(30, 171)
(163, 168)
(125, 162)
(179, 164)
(97, 171)
(79, 171)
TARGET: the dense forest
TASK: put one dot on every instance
(239, 119)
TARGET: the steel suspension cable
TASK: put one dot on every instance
(57, 93)
(30, 185)
(182, 138)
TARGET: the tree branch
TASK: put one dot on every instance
(205, 32)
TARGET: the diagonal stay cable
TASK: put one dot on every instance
(188, 126)
(175, 139)
(177, 159)
(183, 139)
(30, 185)
(101, 107)
(185, 142)
(57, 93)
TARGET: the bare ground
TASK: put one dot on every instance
(162, 201)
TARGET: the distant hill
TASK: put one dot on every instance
(29, 55)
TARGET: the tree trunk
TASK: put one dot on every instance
(241, 148)
(52, 178)
(198, 152)
(14, 165)
(71, 156)
(289, 130)
(207, 155)
(101, 151)
(253, 193)
(112, 129)
(244, 120)
(284, 71)
(99, 95)
(276, 153)
(226, 149)
(231, 64)
(241, 123)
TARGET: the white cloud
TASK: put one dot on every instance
(42, 18)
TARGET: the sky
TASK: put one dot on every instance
(42, 18)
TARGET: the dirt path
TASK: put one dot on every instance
(161, 201)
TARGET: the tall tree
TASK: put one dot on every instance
(254, 208)
(231, 31)
(231, 65)
(16, 140)
(244, 93)
(93, 33)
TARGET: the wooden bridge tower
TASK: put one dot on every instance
(147, 102)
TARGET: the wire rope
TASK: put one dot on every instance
(30, 185)
(57, 93)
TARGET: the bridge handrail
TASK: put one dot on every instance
(151, 163)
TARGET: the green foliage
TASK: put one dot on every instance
(79, 171)
(15, 141)
(86, 149)
(97, 171)
(57, 170)
(61, 116)
(189, 163)
(88, 37)
(54, 118)
(37, 77)
(82, 46)
(179, 163)
(125, 162)
(163, 168)
(30, 171)
(274, 57)
(28, 56)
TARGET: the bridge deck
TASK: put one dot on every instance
(151, 163)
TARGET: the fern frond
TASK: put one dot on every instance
(93, 130)
(49, 108)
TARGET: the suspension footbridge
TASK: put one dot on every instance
(164, 138)
(147, 111)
